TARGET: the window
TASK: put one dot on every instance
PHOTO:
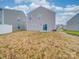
(30, 17)
(0, 9)
(18, 19)
(45, 27)
(18, 23)
(18, 27)
(39, 16)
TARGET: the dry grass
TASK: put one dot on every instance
(37, 45)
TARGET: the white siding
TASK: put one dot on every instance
(5, 29)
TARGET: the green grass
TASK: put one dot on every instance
(73, 32)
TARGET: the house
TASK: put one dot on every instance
(73, 23)
(12, 17)
(41, 19)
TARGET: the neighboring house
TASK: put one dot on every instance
(41, 19)
(73, 23)
(13, 17)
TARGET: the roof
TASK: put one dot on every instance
(43, 8)
(10, 9)
(71, 19)
(14, 10)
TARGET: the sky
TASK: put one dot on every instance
(65, 9)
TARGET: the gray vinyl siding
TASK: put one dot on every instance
(11, 17)
(73, 23)
(35, 24)
(48, 17)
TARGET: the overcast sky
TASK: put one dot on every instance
(65, 9)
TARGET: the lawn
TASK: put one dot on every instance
(73, 32)
(38, 45)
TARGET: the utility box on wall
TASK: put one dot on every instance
(5, 28)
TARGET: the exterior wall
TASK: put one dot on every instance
(36, 24)
(5, 29)
(73, 24)
(14, 18)
(73, 27)
(18, 18)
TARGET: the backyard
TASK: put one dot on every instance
(39, 45)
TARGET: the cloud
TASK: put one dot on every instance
(33, 6)
(34, 1)
(72, 8)
(7, 7)
(24, 8)
(63, 14)
(44, 3)
(19, 1)
(58, 9)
